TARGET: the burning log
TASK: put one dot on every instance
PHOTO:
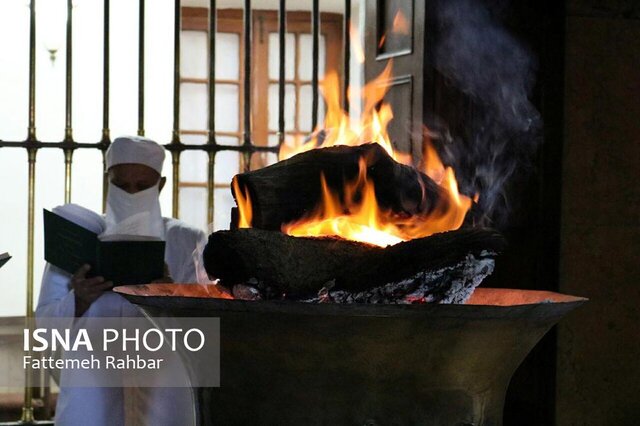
(286, 191)
(443, 267)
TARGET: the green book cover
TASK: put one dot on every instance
(68, 246)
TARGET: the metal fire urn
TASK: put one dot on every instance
(291, 363)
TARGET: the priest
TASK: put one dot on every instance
(134, 168)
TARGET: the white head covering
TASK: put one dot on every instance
(135, 150)
(135, 214)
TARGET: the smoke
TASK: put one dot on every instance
(495, 130)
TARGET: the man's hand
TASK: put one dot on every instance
(87, 290)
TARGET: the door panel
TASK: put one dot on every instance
(394, 33)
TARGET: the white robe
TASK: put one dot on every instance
(106, 406)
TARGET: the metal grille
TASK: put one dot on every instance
(175, 146)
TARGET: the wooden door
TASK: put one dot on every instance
(395, 32)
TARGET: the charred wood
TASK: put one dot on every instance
(297, 268)
(286, 191)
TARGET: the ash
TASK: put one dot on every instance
(451, 284)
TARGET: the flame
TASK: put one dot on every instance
(243, 199)
(452, 208)
(361, 222)
(400, 24)
(356, 215)
(359, 217)
(337, 128)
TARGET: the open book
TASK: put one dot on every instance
(4, 258)
(68, 246)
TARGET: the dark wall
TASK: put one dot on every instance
(574, 224)
(531, 222)
(598, 374)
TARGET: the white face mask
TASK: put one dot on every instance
(134, 214)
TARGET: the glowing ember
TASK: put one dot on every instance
(209, 291)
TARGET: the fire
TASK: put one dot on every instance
(356, 215)
(245, 212)
(338, 129)
(400, 26)
(362, 221)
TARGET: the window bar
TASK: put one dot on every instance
(68, 161)
(212, 71)
(212, 111)
(211, 174)
(105, 75)
(31, 135)
(105, 102)
(346, 30)
(27, 408)
(175, 138)
(247, 85)
(282, 28)
(68, 129)
(141, 71)
(297, 78)
(315, 25)
(175, 195)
